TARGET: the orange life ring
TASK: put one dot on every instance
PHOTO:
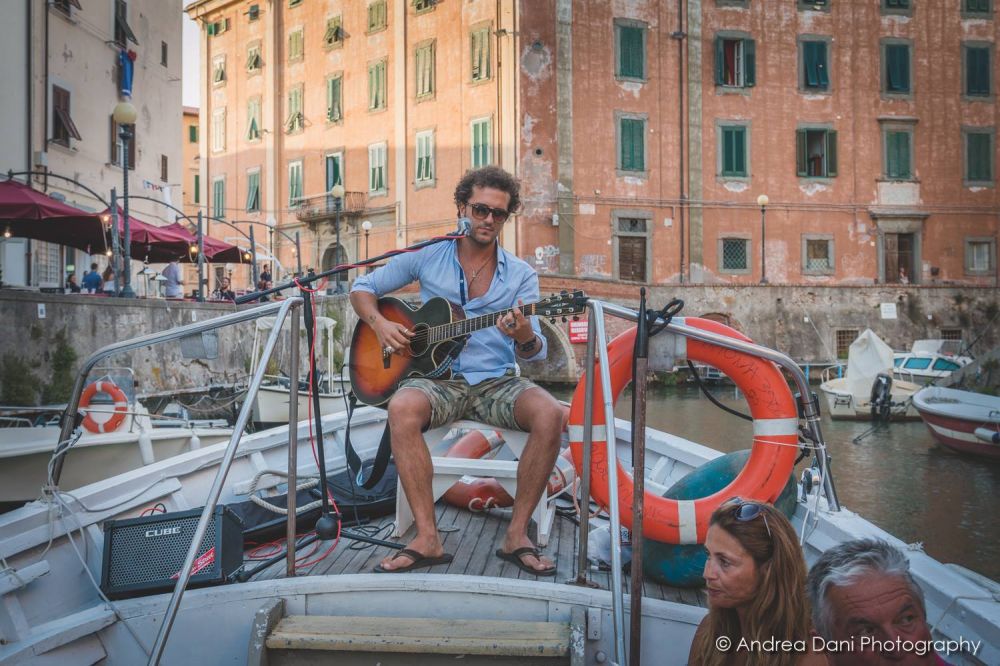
(120, 406)
(772, 457)
(478, 493)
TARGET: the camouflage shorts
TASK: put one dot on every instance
(490, 401)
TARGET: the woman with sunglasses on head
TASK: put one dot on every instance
(755, 575)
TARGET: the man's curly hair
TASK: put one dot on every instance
(489, 176)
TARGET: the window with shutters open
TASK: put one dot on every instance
(631, 132)
(480, 51)
(630, 47)
(253, 190)
(63, 127)
(334, 170)
(735, 61)
(335, 98)
(295, 121)
(816, 153)
(294, 183)
(425, 158)
(253, 119)
(219, 70)
(123, 31)
(376, 85)
(254, 61)
(334, 35)
(377, 177)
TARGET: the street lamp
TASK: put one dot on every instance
(337, 192)
(124, 116)
(367, 226)
(762, 201)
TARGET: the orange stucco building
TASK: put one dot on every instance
(647, 134)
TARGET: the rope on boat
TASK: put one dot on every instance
(309, 482)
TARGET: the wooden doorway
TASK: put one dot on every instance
(899, 258)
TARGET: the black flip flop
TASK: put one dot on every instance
(419, 561)
(516, 556)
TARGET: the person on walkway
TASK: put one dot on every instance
(476, 274)
(174, 287)
(108, 277)
(92, 281)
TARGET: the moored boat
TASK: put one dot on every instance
(962, 421)
(929, 360)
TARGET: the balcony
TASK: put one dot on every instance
(322, 207)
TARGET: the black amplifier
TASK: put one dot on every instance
(145, 555)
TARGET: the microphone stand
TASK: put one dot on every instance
(326, 526)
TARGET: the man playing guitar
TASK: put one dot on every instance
(480, 276)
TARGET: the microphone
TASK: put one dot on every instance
(464, 228)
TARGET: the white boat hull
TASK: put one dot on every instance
(842, 405)
(272, 405)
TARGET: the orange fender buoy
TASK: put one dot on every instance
(120, 406)
(772, 456)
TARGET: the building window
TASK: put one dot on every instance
(294, 183)
(816, 153)
(425, 158)
(814, 66)
(734, 255)
(296, 44)
(480, 49)
(254, 61)
(335, 98)
(896, 68)
(64, 5)
(219, 198)
(253, 13)
(192, 134)
(376, 169)
(424, 65)
(896, 7)
(295, 120)
(423, 5)
(376, 85)
(632, 237)
(976, 8)
(733, 151)
(123, 32)
(482, 142)
(817, 255)
(735, 62)
(843, 339)
(631, 144)
(951, 334)
(197, 188)
(898, 153)
(334, 170)
(218, 70)
(334, 35)
(253, 191)
(976, 60)
(630, 43)
(163, 53)
(164, 172)
(253, 119)
(978, 156)
(377, 17)
(116, 146)
(217, 28)
(815, 5)
(979, 255)
(294, 3)
(63, 127)
(218, 130)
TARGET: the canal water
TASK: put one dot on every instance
(898, 477)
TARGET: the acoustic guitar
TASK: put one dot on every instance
(440, 329)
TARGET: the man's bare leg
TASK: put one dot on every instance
(409, 412)
(543, 417)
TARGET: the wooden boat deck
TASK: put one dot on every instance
(473, 539)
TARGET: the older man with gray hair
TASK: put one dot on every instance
(867, 606)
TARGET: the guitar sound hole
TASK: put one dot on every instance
(419, 343)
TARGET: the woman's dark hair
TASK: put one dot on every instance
(489, 176)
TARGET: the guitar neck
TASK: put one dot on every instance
(463, 327)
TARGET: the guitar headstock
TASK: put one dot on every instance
(562, 304)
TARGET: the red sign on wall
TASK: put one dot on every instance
(578, 332)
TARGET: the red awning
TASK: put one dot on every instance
(29, 213)
(216, 251)
(152, 243)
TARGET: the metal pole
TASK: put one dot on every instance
(588, 441)
(298, 253)
(641, 356)
(763, 267)
(201, 260)
(115, 246)
(253, 258)
(293, 438)
(336, 258)
(126, 134)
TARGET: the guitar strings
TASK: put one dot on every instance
(465, 326)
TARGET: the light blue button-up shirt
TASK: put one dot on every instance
(488, 353)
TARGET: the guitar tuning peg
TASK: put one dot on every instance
(576, 317)
(552, 320)
(564, 319)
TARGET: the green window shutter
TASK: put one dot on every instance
(734, 151)
(197, 188)
(801, 158)
(193, 134)
(631, 57)
(632, 148)
(897, 68)
(814, 65)
(977, 71)
(719, 61)
(898, 154)
(831, 153)
(749, 63)
(978, 151)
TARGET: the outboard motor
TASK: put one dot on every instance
(881, 398)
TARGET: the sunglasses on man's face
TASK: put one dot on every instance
(482, 211)
(745, 511)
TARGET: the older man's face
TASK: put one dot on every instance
(879, 609)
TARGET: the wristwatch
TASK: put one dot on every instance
(528, 346)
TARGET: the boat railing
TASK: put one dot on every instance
(831, 372)
(71, 418)
(597, 350)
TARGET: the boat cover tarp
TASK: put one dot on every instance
(867, 356)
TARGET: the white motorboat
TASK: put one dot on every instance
(929, 360)
(271, 405)
(851, 396)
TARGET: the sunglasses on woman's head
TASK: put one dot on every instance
(745, 511)
(482, 211)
